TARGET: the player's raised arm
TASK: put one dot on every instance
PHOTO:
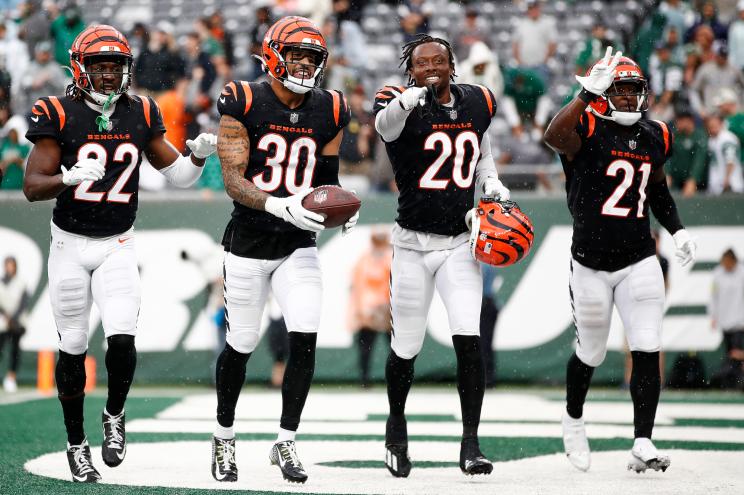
(561, 133)
(390, 120)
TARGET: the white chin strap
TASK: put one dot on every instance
(626, 118)
(300, 85)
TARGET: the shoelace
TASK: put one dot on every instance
(82, 461)
(225, 454)
(115, 424)
(289, 454)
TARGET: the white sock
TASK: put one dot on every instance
(285, 435)
(225, 433)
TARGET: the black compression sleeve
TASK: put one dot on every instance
(329, 165)
(662, 205)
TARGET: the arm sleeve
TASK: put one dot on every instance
(486, 167)
(390, 118)
(663, 207)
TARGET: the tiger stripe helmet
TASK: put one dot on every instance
(500, 233)
(99, 40)
(288, 33)
(627, 71)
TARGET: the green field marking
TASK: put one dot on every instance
(423, 418)
(686, 310)
(714, 423)
(704, 266)
(381, 464)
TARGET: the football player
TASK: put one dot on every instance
(435, 135)
(613, 159)
(277, 140)
(87, 150)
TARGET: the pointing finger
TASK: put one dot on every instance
(616, 59)
(607, 55)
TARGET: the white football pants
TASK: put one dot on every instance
(637, 291)
(295, 282)
(414, 275)
(86, 269)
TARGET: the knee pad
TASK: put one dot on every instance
(244, 342)
(72, 297)
(591, 355)
(406, 350)
(644, 340)
(73, 341)
(242, 288)
(408, 291)
(120, 316)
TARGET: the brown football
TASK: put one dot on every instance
(336, 204)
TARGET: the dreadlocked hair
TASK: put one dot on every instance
(421, 39)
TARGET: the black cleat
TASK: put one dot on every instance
(472, 460)
(284, 455)
(114, 439)
(397, 459)
(224, 467)
(81, 463)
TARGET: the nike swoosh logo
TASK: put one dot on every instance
(218, 475)
(383, 104)
(123, 453)
(122, 241)
(35, 118)
(222, 100)
(80, 478)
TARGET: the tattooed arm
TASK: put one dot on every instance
(233, 148)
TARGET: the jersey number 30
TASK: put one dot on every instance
(461, 178)
(125, 152)
(610, 207)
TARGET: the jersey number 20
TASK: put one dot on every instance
(461, 178)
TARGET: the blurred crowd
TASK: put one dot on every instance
(526, 51)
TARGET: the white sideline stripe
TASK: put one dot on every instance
(186, 465)
(497, 406)
(450, 428)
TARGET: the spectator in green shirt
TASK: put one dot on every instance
(594, 48)
(12, 158)
(65, 28)
(686, 168)
(728, 106)
(525, 99)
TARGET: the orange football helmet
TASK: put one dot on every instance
(296, 33)
(627, 71)
(99, 41)
(500, 233)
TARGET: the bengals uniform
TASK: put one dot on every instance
(284, 159)
(435, 159)
(106, 207)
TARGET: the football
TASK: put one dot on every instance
(334, 203)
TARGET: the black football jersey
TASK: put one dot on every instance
(435, 156)
(607, 183)
(108, 206)
(285, 157)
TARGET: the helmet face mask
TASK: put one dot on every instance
(294, 53)
(101, 63)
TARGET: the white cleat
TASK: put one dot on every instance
(575, 442)
(645, 456)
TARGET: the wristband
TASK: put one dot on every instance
(586, 96)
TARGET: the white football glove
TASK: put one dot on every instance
(493, 187)
(686, 247)
(203, 145)
(410, 97)
(85, 169)
(350, 224)
(601, 76)
(290, 210)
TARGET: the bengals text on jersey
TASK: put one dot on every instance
(606, 183)
(108, 206)
(285, 158)
(435, 156)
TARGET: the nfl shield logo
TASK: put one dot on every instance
(321, 196)
(453, 114)
(294, 117)
(632, 144)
